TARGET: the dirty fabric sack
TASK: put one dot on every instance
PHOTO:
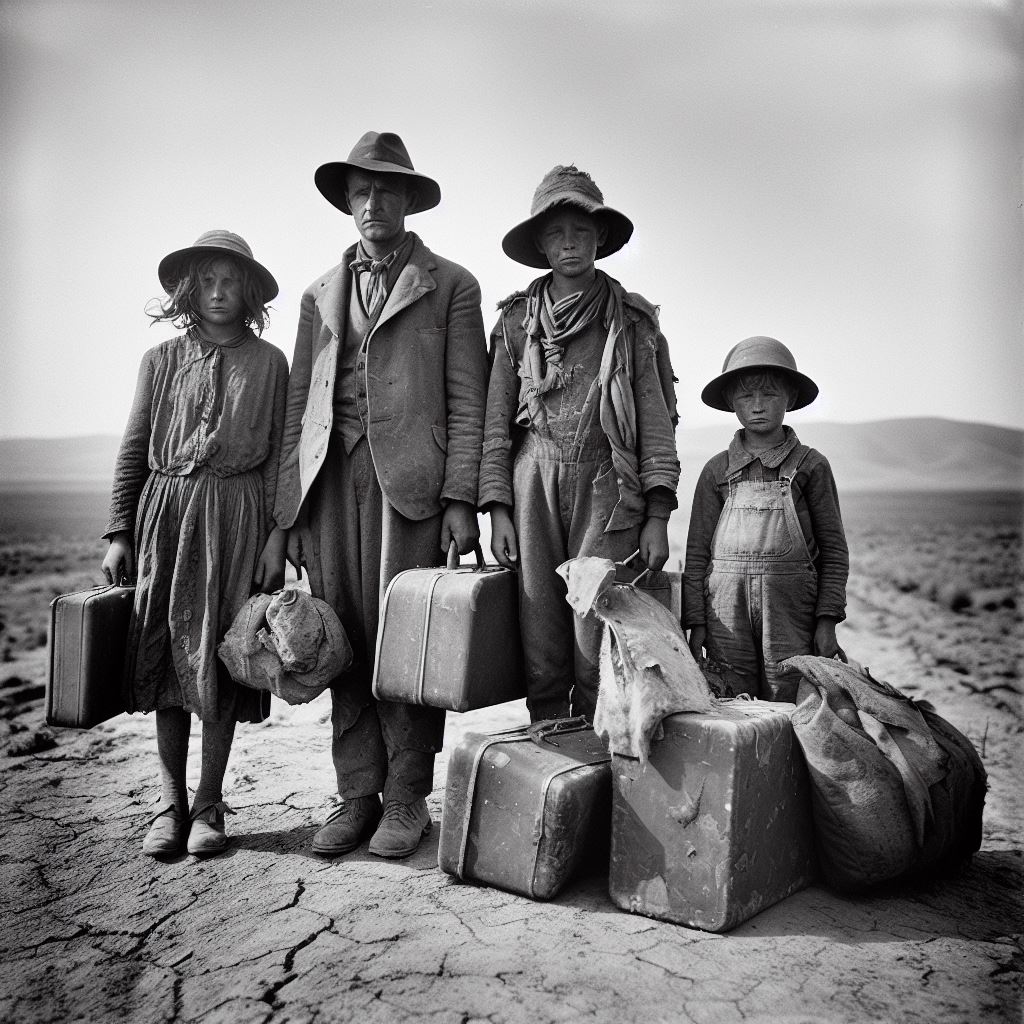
(289, 643)
(647, 670)
(894, 786)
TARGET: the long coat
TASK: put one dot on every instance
(424, 373)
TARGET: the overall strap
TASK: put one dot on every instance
(793, 461)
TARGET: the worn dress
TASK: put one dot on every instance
(195, 484)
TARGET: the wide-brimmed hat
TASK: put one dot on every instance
(565, 186)
(376, 153)
(751, 355)
(215, 243)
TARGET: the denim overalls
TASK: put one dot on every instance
(761, 589)
(565, 490)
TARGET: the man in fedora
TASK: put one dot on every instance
(379, 467)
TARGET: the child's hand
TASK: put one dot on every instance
(654, 543)
(825, 643)
(504, 545)
(696, 640)
(119, 563)
(269, 573)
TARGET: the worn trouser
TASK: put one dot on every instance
(564, 493)
(761, 591)
(359, 543)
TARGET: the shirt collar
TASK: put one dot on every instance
(740, 458)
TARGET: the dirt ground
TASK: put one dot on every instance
(92, 930)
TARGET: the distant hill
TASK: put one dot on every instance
(885, 455)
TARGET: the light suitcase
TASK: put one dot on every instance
(524, 814)
(449, 637)
(88, 635)
(718, 827)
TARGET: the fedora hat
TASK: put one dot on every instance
(215, 243)
(376, 153)
(565, 186)
(754, 354)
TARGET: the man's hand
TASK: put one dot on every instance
(504, 545)
(119, 563)
(294, 550)
(654, 543)
(459, 523)
(269, 573)
(825, 643)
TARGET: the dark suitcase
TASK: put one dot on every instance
(524, 813)
(88, 636)
(449, 637)
(718, 827)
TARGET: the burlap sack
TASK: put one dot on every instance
(894, 786)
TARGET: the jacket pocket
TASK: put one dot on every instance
(440, 436)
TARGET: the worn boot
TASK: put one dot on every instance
(347, 825)
(401, 828)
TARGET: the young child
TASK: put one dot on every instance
(766, 555)
(190, 513)
(579, 448)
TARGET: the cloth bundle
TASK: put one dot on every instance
(289, 643)
(894, 786)
(647, 671)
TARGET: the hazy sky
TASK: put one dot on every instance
(842, 174)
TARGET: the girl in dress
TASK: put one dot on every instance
(190, 516)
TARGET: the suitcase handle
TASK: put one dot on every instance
(453, 556)
(540, 732)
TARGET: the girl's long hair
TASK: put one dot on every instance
(181, 307)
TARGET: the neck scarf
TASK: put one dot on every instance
(550, 324)
(373, 276)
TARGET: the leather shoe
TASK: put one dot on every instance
(347, 825)
(401, 828)
(166, 833)
(206, 836)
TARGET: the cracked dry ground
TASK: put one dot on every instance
(92, 930)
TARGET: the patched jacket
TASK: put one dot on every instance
(648, 369)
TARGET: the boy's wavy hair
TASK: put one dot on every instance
(181, 307)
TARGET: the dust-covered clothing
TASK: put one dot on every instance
(582, 454)
(195, 484)
(774, 561)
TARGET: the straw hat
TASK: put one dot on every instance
(376, 153)
(754, 354)
(215, 243)
(565, 186)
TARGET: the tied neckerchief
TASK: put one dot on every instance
(549, 325)
(372, 279)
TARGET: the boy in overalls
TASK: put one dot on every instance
(766, 554)
(579, 454)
